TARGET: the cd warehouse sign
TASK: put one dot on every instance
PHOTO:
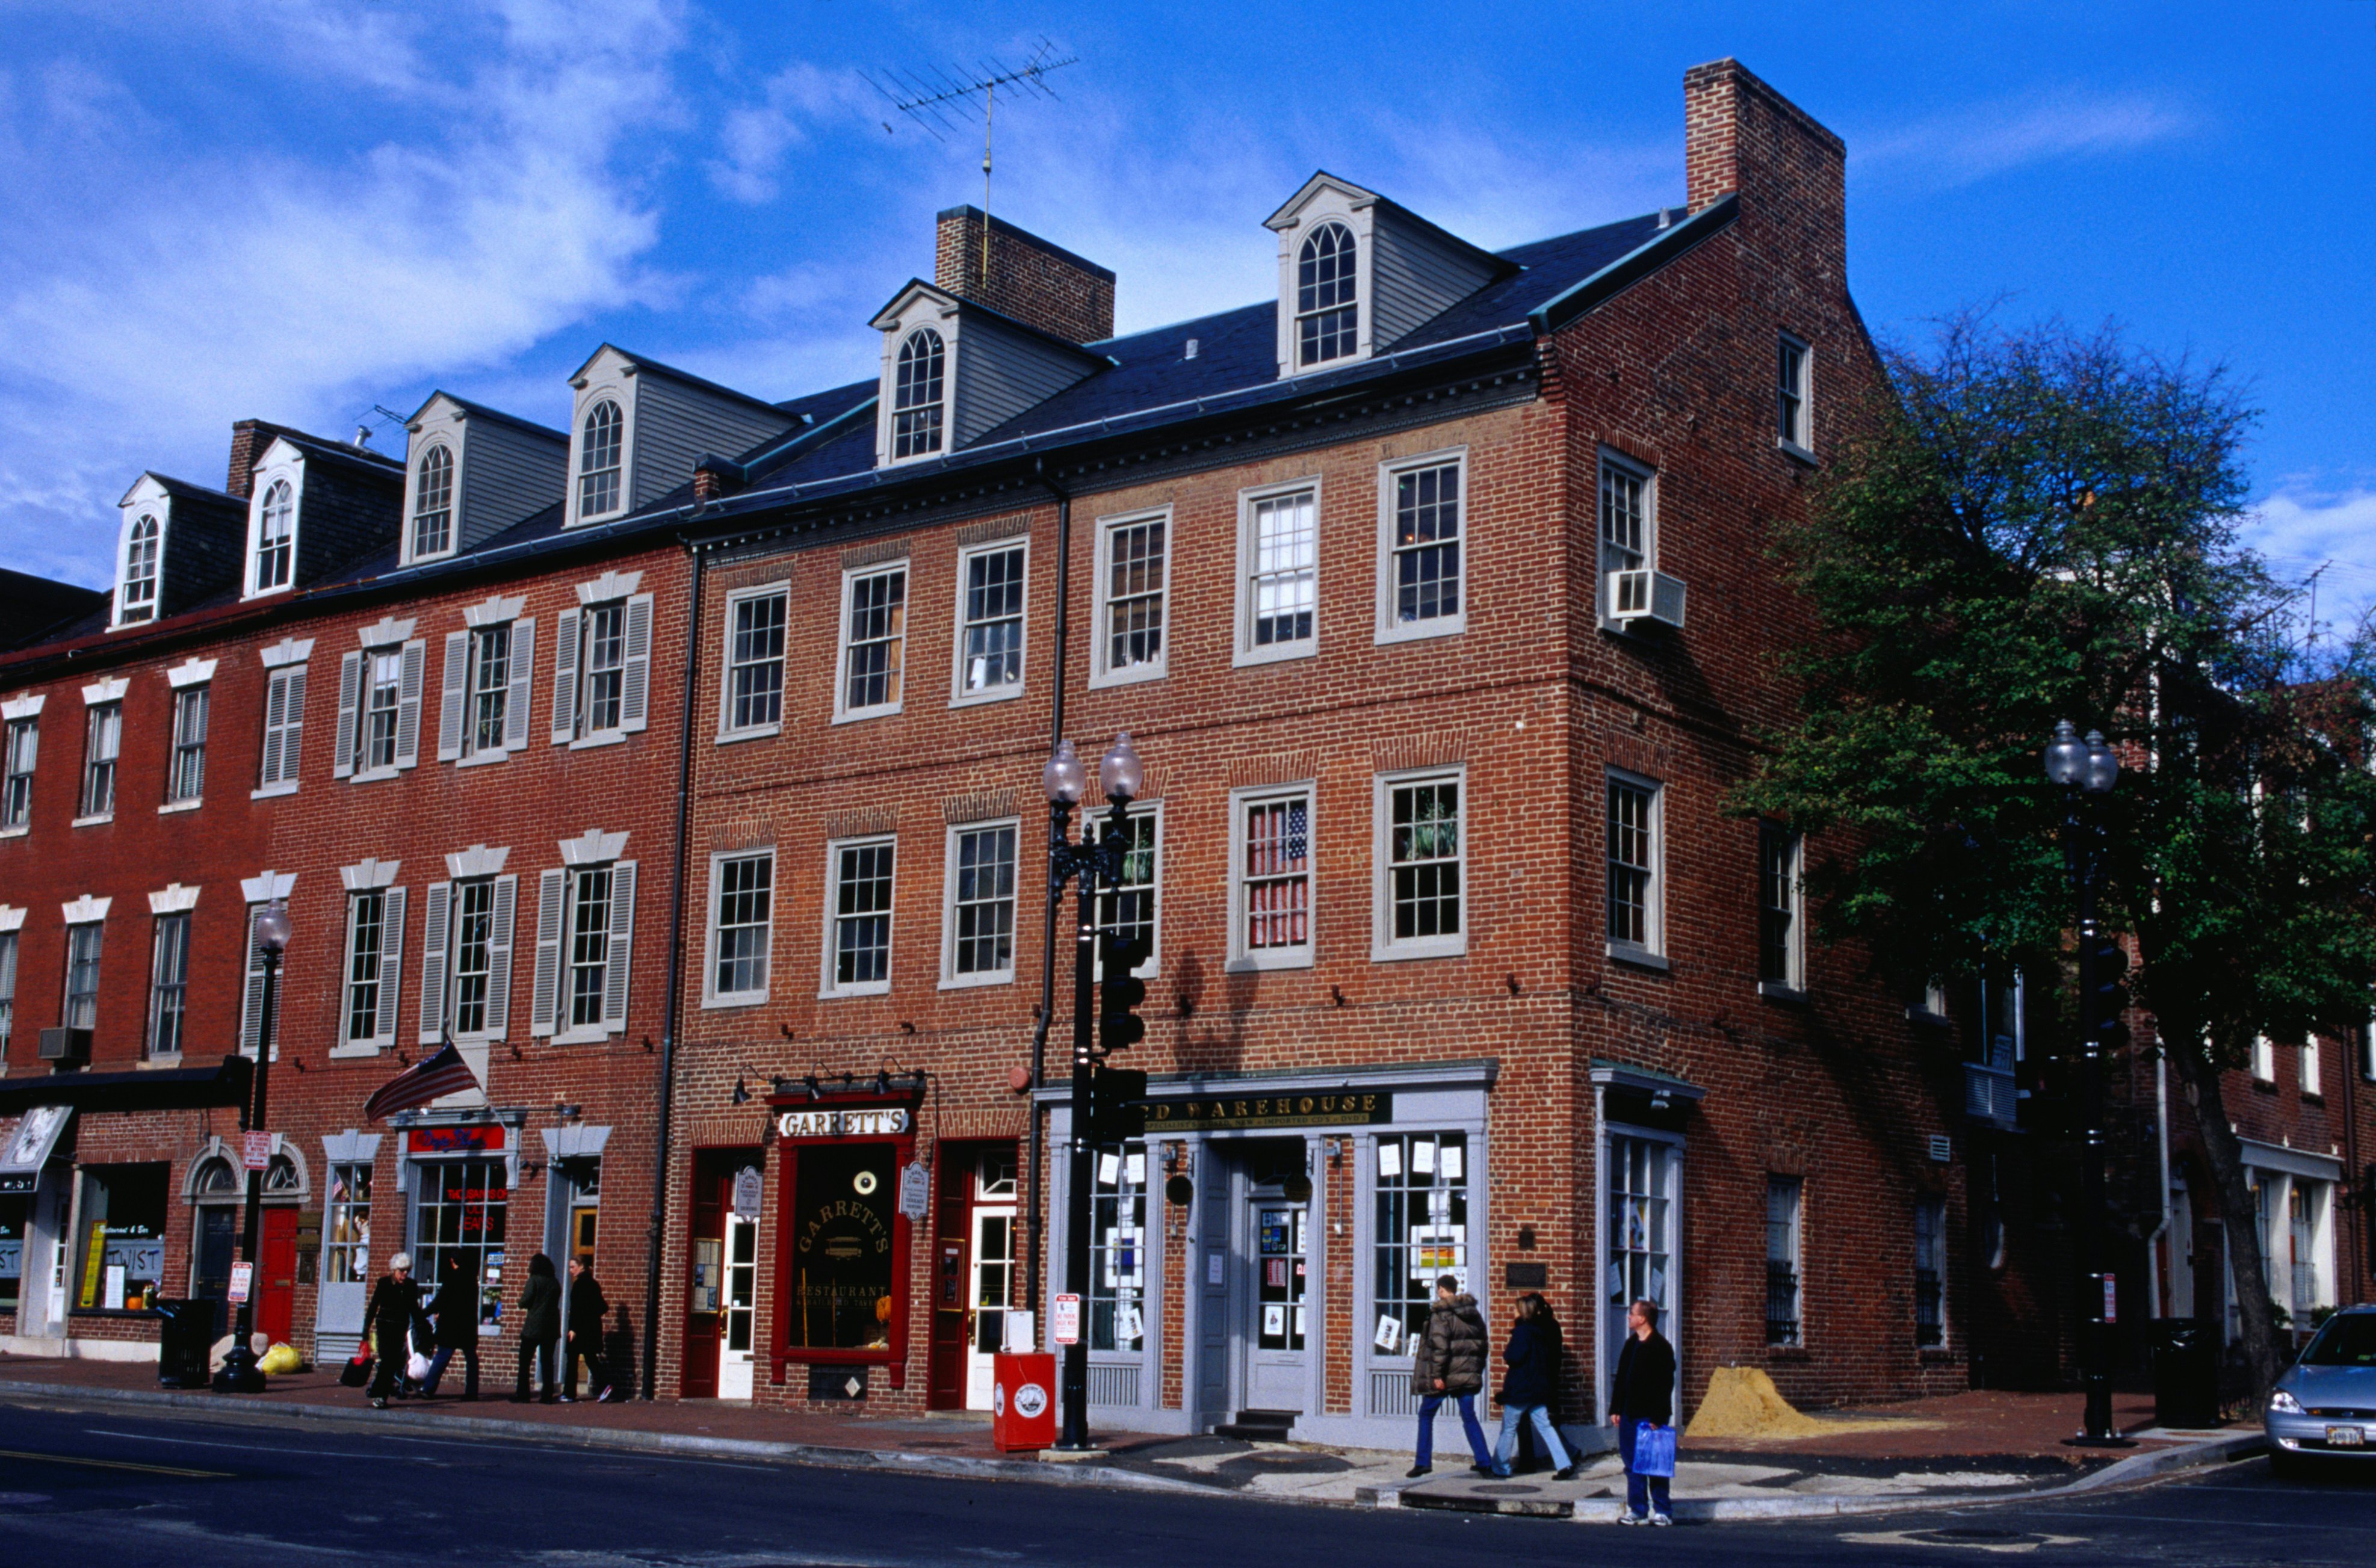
(1199, 1114)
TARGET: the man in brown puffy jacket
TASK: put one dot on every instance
(1450, 1364)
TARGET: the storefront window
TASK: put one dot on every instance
(842, 1254)
(460, 1213)
(1422, 1230)
(123, 1250)
(14, 1207)
(346, 1257)
(1118, 1251)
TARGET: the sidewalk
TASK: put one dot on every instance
(1934, 1453)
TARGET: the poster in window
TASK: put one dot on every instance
(1422, 1156)
(1390, 1157)
(1129, 1325)
(1273, 1319)
(842, 1262)
(1135, 1168)
(1451, 1161)
(1436, 1249)
(1389, 1337)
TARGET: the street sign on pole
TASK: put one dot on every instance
(1067, 1321)
(255, 1151)
(241, 1274)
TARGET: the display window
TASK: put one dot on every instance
(13, 1209)
(1118, 1250)
(120, 1254)
(459, 1212)
(1422, 1230)
(844, 1247)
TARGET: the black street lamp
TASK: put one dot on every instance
(239, 1373)
(2086, 770)
(1098, 856)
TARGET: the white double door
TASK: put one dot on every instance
(737, 1303)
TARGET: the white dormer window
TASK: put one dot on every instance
(137, 599)
(276, 537)
(1327, 310)
(599, 462)
(433, 505)
(916, 417)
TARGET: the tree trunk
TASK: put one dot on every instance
(2247, 1268)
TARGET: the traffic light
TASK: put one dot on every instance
(1117, 1106)
(2108, 1004)
(1120, 993)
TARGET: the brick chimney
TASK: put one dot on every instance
(1740, 135)
(1029, 278)
(248, 440)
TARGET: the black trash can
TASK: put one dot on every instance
(2186, 1373)
(186, 1332)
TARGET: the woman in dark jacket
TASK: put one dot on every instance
(1532, 1385)
(395, 1302)
(1450, 1364)
(455, 1308)
(587, 1311)
(539, 1306)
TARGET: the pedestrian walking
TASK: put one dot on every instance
(588, 1312)
(539, 1306)
(388, 1327)
(1450, 1364)
(1532, 1385)
(455, 1308)
(1643, 1390)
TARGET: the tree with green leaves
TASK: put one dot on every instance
(2026, 527)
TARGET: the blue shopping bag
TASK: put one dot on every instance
(1653, 1450)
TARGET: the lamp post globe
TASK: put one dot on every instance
(1120, 772)
(2066, 755)
(1064, 778)
(272, 928)
(2103, 765)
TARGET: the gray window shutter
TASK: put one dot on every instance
(407, 704)
(276, 719)
(251, 1007)
(544, 999)
(432, 962)
(523, 682)
(293, 724)
(391, 969)
(623, 945)
(565, 678)
(450, 712)
(351, 680)
(636, 678)
(499, 957)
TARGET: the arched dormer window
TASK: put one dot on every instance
(274, 542)
(916, 406)
(598, 465)
(138, 599)
(1328, 317)
(432, 505)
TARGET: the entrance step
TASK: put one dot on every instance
(1259, 1425)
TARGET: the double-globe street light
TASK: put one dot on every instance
(2086, 770)
(240, 1373)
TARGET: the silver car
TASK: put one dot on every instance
(2325, 1403)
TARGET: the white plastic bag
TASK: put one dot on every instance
(417, 1369)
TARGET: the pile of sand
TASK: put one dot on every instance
(1742, 1404)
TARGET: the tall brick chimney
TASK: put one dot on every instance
(1741, 134)
(248, 440)
(1028, 278)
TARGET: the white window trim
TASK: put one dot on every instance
(1388, 629)
(958, 696)
(618, 950)
(151, 511)
(1383, 947)
(827, 989)
(1326, 204)
(950, 978)
(1241, 959)
(850, 577)
(1153, 809)
(925, 309)
(1653, 952)
(1797, 1250)
(734, 599)
(452, 446)
(1609, 456)
(370, 877)
(1101, 672)
(1804, 454)
(710, 995)
(2311, 1062)
(1793, 986)
(2263, 1064)
(618, 391)
(1244, 651)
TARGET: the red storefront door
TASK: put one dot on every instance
(276, 1250)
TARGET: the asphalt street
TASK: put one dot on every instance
(87, 1488)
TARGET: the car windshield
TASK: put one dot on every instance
(2347, 1341)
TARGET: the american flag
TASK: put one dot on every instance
(432, 1078)
(1298, 832)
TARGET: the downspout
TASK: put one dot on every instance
(1054, 893)
(2153, 1242)
(675, 983)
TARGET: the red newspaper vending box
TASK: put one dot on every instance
(1023, 1402)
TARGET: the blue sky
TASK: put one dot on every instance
(294, 210)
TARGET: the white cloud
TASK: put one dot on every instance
(1966, 145)
(2303, 528)
(756, 136)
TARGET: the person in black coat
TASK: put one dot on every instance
(1531, 1387)
(395, 1302)
(539, 1306)
(1643, 1390)
(455, 1308)
(588, 1312)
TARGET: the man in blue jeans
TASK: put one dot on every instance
(1643, 1390)
(1450, 1364)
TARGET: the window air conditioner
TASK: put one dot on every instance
(65, 1045)
(1645, 595)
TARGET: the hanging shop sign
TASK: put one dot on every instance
(885, 1123)
(476, 1137)
(1195, 1114)
(749, 1189)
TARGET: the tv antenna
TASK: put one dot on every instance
(931, 96)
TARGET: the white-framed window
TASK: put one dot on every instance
(7, 989)
(1134, 584)
(585, 938)
(432, 502)
(489, 669)
(346, 1241)
(284, 729)
(2308, 1248)
(169, 985)
(2367, 1050)
(1633, 853)
(19, 751)
(1421, 1230)
(1328, 315)
(602, 671)
(1785, 1275)
(1279, 572)
(1794, 372)
(2312, 1066)
(85, 941)
(977, 914)
(2265, 1058)
(751, 700)
(861, 874)
(276, 538)
(1781, 934)
(917, 387)
(373, 968)
(1132, 907)
(1930, 1273)
(1628, 521)
(186, 774)
(1270, 877)
(873, 642)
(741, 927)
(1422, 529)
(600, 461)
(467, 958)
(1118, 1250)
(136, 601)
(1420, 909)
(378, 709)
(103, 742)
(991, 591)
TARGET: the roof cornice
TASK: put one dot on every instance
(1634, 265)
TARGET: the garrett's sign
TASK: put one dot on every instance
(887, 1123)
